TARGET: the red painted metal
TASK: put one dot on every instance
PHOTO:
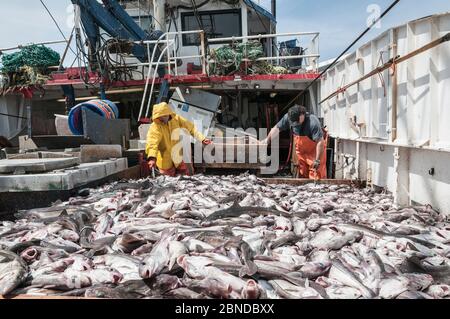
(192, 68)
(145, 120)
(74, 76)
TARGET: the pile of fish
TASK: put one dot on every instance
(228, 237)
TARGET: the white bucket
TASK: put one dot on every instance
(62, 125)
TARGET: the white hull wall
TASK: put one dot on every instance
(11, 105)
(408, 178)
(362, 118)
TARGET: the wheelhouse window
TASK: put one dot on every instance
(217, 24)
(145, 22)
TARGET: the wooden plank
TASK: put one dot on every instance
(228, 166)
(130, 173)
(303, 181)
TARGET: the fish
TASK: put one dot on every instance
(143, 250)
(62, 281)
(414, 295)
(104, 276)
(159, 256)
(210, 287)
(343, 292)
(127, 242)
(272, 269)
(315, 270)
(228, 237)
(391, 288)
(185, 293)
(342, 274)
(176, 249)
(127, 265)
(237, 210)
(290, 291)
(13, 272)
(106, 292)
(438, 291)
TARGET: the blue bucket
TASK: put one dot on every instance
(104, 108)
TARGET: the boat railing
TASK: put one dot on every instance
(168, 56)
(311, 59)
(166, 45)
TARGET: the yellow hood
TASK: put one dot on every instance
(160, 110)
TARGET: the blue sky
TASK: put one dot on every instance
(339, 21)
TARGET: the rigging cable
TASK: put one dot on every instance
(263, 24)
(200, 24)
(334, 62)
(57, 25)
(393, 4)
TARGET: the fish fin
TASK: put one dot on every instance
(243, 272)
(227, 230)
(252, 268)
(199, 249)
(90, 253)
(307, 283)
(235, 204)
(172, 264)
(64, 213)
(248, 270)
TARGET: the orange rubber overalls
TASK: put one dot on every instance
(183, 170)
(306, 154)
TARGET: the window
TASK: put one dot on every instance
(217, 24)
(145, 22)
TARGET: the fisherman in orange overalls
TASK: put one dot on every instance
(310, 141)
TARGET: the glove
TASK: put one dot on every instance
(316, 164)
(207, 142)
(151, 163)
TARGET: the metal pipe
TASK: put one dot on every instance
(262, 36)
(391, 62)
(394, 90)
(153, 82)
(149, 72)
(40, 43)
(159, 14)
(168, 34)
(203, 52)
(274, 8)
(66, 50)
(291, 57)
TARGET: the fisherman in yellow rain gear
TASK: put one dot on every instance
(163, 135)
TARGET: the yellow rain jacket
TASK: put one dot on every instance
(159, 138)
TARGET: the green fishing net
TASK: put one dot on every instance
(34, 56)
(228, 59)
